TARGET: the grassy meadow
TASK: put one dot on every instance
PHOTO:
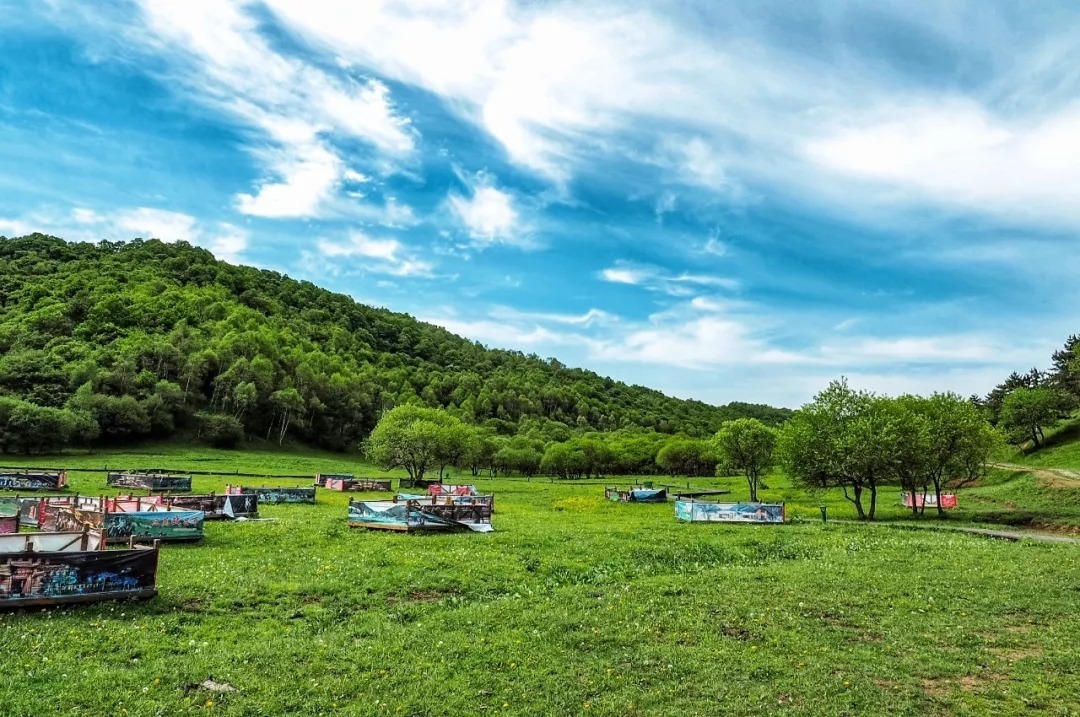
(573, 606)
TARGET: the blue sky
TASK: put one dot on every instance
(725, 201)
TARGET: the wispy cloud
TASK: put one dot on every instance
(294, 110)
(380, 256)
(654, 278)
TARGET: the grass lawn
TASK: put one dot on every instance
(574, 606)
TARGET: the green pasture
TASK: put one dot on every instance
(575, 606)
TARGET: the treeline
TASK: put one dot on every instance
(856, 441)
(859, 442)
(1025, 405)
(104, 344)
(430, 441)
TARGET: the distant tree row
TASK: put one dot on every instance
(147, 340)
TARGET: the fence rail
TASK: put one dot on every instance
(106, 469)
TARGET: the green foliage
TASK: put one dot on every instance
(681, 456)
(142, 336)
(221, 431)
(746, 444)
(1027, 412)
(859, 442)
(416, 439)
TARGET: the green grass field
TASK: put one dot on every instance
(574, 606)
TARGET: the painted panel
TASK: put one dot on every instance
(35, 578)
(701, 511)
(27, 480)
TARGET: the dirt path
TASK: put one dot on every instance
(1055, 477)
(1014, 535)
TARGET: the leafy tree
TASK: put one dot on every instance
(1026, 412)
(747, 444)
(687, 457)
(413, 438)
(563, 460)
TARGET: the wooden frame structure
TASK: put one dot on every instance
(148, 480)
(44, 569)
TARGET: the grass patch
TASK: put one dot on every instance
(574, 606)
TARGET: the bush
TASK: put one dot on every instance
(220, 430)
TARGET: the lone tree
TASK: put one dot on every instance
(416, 439)
(746, 444)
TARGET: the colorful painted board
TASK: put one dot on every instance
(217, 506)
(422, 514)
(154, 482)
(58, 568)
(275, 494)
(9, 516)
(321, 478)
(636, 495)
(122, 519)
(708, 512)
(33, 480)
(928, 500)
(444, 489)
(357, 484)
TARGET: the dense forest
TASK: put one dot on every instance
(113, 342)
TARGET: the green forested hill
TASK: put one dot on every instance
(113, 342)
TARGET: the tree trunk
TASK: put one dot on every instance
(873, 501)
(856, 500)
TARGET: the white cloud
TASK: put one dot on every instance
(219, 56)
(382, 256)
(956, 152)
(154, 224)
(489, 215)
(654, 278)
(589, 318)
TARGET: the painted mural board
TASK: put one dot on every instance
(275, 494)
(217, 506)
(32, 480)
(446, 489)
(636, 495)
(161, 524)
(414, 515)
(72, 573)
(9, 516)
(696, 511)
(358, 484)
(928, 500)
(156, 482)
(321, 478)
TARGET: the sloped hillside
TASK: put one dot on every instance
(113, 342)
